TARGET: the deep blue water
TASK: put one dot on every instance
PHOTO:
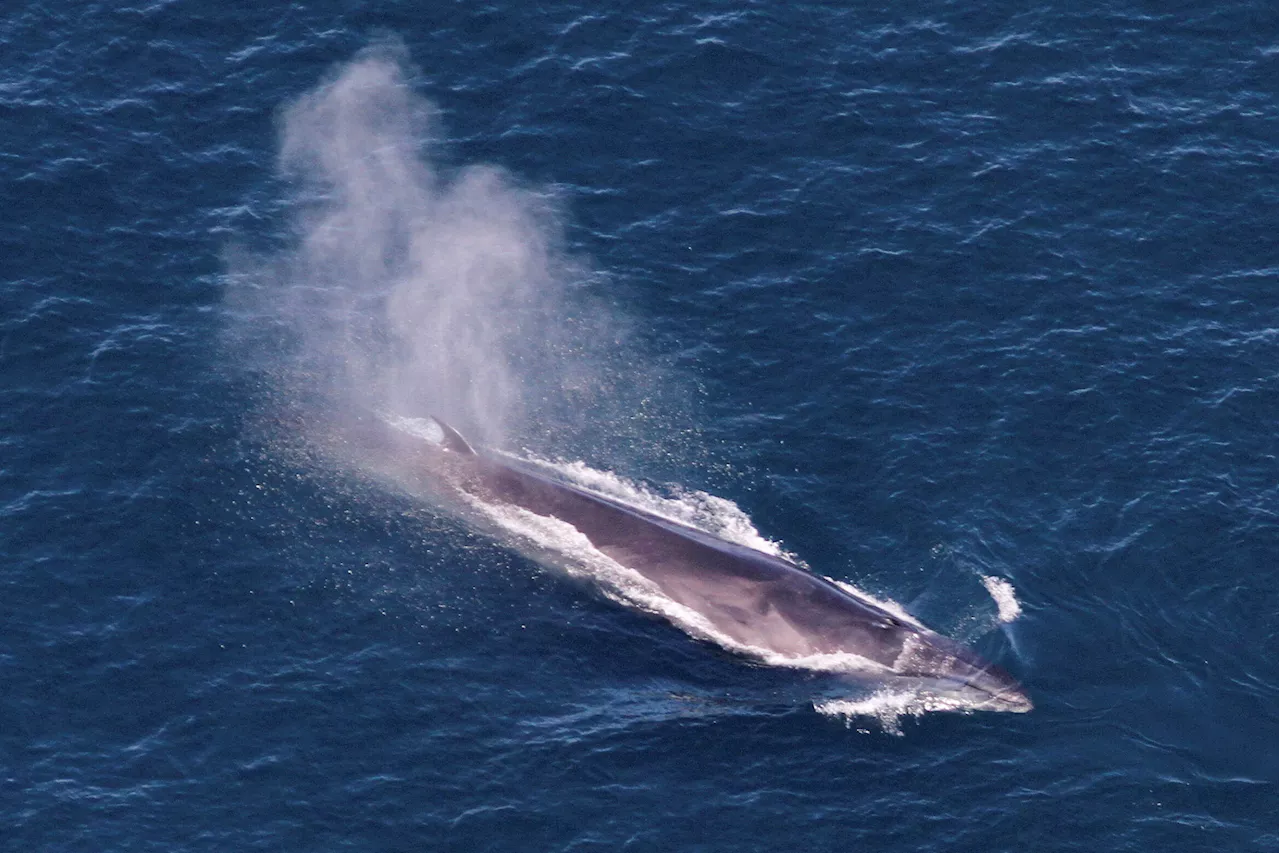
(931, 292)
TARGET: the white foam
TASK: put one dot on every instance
(889, 705)
(425, 428)
(717, 516)
(1003, 595)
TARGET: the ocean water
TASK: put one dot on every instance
(971, 307)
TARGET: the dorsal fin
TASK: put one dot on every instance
(453, 440)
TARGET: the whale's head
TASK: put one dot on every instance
(959, 672)
(992, 689)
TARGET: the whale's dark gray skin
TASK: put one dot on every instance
(756, 599)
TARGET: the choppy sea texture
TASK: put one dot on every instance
(932, 294)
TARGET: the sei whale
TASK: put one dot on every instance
(758, 600)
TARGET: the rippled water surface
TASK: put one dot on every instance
(973, 308)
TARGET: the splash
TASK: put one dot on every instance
(710, 513)
(887, 707)
(1007, 606)
(413, 288)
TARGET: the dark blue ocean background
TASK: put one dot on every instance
(932, 292)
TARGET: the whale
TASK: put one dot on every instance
(761, 602)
